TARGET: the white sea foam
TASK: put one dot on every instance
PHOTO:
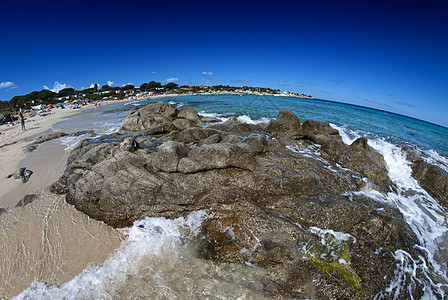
(70, 142)
(151, 236)
(209, 115)
(177, 104)
(348, 136)
(339, 236)
(423, 214)
(435, 158)
(247, 119)
(156, 261)
(133, 103)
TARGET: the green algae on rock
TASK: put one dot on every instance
(333, 254)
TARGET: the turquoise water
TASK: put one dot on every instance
(385, 132)
(393, 127)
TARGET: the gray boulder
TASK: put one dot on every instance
(287, 125)
(320, 132)
(360, 157)
(190, 114)
(149, 116)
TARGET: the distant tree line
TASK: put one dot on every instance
(95, 93)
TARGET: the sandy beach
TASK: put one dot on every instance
(47, 240)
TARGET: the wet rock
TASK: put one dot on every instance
(60, 186)
(42, 139)
(432, 178)
(360, 157)
(287, 125)
(49, 137)
(2, 210)
(268, 206)
(27, 199)
(23, 174)
(320, 132)
(52, 136)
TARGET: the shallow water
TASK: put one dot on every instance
(156, 260)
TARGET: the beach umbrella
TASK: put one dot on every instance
(74, 101)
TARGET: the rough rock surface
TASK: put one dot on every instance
(268, 206)
(287, 125)
(320, 132)
(360, 157)
(432, 178)
(149, 116)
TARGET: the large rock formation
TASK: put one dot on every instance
(270, 207)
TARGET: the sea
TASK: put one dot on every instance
(157, 261)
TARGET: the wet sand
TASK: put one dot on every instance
(47, 240)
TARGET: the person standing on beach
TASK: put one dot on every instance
(22, 119)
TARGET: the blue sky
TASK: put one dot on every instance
(388, 55)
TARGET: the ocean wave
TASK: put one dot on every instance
(70, 142)
(157, 260)
(247, 119)
(423, 213)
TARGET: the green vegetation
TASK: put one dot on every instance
(108, 92)
(334, 255)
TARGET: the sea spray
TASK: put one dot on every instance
(423, 214)
(157, 260)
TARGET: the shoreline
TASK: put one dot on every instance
(12, 154)
(47, 240)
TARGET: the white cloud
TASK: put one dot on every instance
(172, 79)
(110, 83)
(57, 87)
(208, 73)
(129, 83)
(8, 85)
(153, 72)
